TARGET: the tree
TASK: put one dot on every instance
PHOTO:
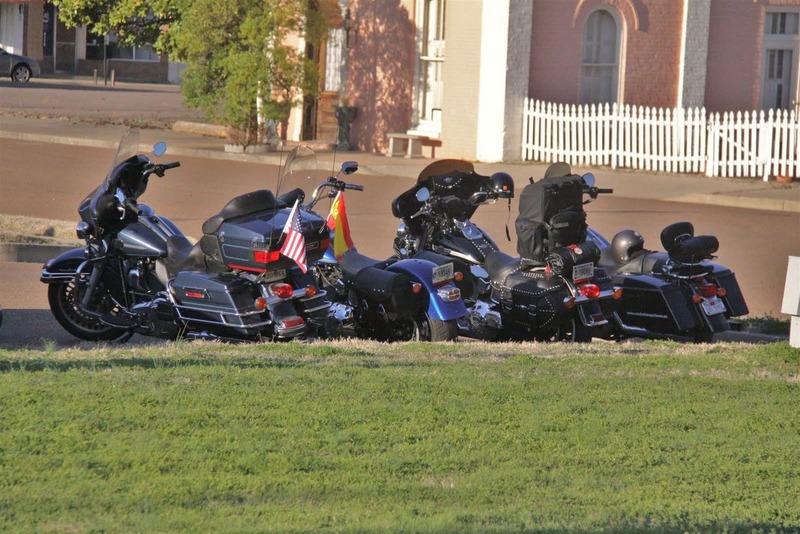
(243, 68)
(135, 22)
(239, 54)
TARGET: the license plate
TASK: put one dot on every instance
(271, 276)
(443, 273)
(583, 271)
(713, 306)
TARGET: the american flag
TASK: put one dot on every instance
(295, 245)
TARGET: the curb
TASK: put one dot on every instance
(720, 199)
(31, 253)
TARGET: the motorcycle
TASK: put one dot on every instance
(387, 300)
(676, 294)
(138, 273)
(553, 297)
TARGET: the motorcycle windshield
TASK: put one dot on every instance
(298, 177)
(444, 166)
(127, 148)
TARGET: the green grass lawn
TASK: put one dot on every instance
(365, 437)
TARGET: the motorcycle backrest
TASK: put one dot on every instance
(253, 202)
(675, 233)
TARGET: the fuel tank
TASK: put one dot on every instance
(147, 237)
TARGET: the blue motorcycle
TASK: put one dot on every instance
(387, 300)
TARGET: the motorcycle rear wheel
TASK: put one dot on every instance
(572, 331)
(61, 297)
(440, 330)
(424, 328)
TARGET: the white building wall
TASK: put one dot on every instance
(492, 82)
(486, 76)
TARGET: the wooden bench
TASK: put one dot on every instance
(405, 144)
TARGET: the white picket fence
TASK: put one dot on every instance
(752, 144)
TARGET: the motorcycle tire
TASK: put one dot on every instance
(431, 329)
(81, 325)
(572, 331)
(705, 334)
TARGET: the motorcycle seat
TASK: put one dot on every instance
(647, 263)
(246, 204)
(183, 256)
(499, 265)
(353, 262)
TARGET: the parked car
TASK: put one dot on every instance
(20, 68)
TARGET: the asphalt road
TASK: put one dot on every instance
(48, 181)
(82, 99)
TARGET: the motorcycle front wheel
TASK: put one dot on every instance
(67, 312)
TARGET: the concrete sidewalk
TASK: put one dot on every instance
(187, 139)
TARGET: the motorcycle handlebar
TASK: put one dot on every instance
(604, 191)
(354, 187)
(160, 168)
(131, 205)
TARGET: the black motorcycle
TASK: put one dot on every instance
(553, 296)
(675, 294)
(678, 293)
(387, 300)
(138, 273)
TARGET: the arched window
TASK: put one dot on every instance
(600, 59)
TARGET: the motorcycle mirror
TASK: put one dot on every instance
(423, 194)
(160, 148)
(589, 179)
(349, 167)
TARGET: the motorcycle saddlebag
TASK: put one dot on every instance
(535, 299)
(216, 300)
(550, 215)
(733, 299)
(655, 304)
(388, 289)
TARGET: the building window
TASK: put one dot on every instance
(781, 40)
(600, 59)
(429, 84)
(136, 53)
(334, 59)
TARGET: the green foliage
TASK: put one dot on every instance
(134, 21)
(239, 50)
(767, 324)
(409, 437)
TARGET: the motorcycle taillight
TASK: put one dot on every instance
(281, 290)
(707, 290)
(266, 256)
(591, 291)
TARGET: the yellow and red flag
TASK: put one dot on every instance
(337, 222)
